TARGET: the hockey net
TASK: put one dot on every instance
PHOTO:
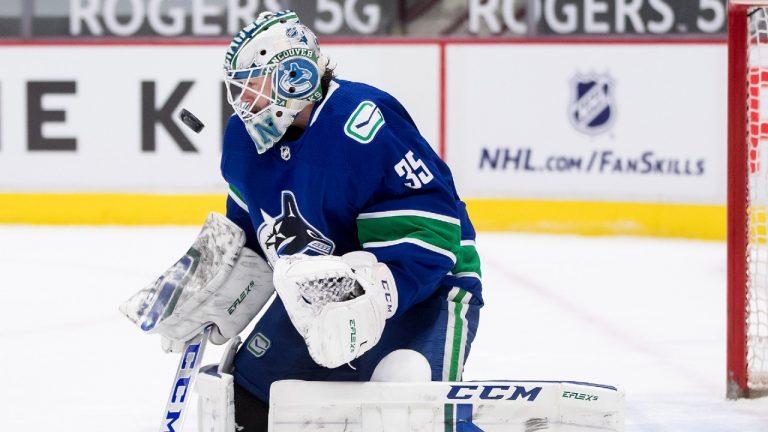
(748, 199)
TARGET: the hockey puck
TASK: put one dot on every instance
(191, 121)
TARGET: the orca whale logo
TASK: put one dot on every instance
(289, 233)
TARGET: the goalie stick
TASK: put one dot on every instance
(189, 365)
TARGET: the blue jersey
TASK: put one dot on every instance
(360, 176)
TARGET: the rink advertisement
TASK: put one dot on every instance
(637, 18)
(186, 18)
(631, 123)
(353, 18)
(627, 128)
(78, 126)
(597, 161)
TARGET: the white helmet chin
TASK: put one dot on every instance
(269, 125)
(272, 71)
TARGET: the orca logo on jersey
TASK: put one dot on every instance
(289, 233)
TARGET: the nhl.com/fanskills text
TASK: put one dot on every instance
(596, 162)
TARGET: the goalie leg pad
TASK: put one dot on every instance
(216, 402)
(224, 406)
(490, 406)
(216, 393)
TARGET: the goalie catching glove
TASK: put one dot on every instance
(339, 305)
(218, 281)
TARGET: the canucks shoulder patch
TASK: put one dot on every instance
(364, 123)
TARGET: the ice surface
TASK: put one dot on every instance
(645, 314)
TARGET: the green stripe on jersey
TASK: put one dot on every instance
(237, 197)
(458, 336)
(467, 261)
(443, 235)
(236, 192)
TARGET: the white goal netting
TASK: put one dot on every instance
(757, 188)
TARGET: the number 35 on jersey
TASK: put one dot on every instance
(415, 172)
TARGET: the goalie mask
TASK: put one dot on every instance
(272, 71)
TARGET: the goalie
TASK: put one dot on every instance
(332, 186)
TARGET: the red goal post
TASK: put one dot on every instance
(747, 359)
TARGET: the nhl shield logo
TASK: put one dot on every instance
(591, 110)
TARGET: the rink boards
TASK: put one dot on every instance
(593, 138)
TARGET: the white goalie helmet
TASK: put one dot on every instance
(272, 70)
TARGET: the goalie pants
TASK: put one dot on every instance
(441, 328)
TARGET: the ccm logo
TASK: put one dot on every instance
(180, 387)
(387, 295)
(493, 392)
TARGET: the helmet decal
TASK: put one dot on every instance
(300, 36)
(247, 34)
(297, 78)
(266, 130)
(273, 69)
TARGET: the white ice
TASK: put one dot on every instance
(645, 314)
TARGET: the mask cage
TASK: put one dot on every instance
(247, 88)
